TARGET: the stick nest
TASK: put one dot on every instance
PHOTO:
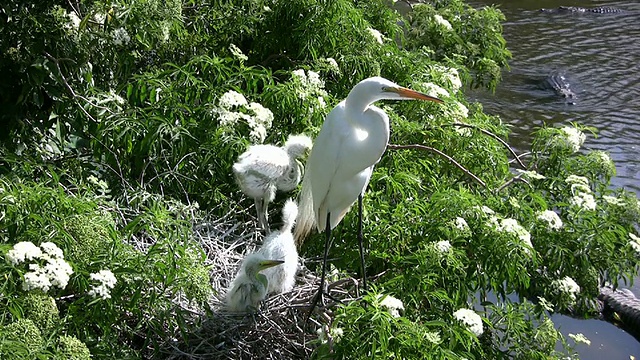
(280, 329)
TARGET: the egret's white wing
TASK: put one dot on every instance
(324, 160)
(264, 161)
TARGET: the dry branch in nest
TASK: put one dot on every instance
(279, 330)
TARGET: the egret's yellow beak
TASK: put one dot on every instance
(269, 263)
(408, 93)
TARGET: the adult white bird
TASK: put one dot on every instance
(352, 140)
(280, 245)
(249, 287)
(263, 169)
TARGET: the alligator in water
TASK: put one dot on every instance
(623, 303)
(577, 9)
(560, 85)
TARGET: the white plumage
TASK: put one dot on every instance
(280, 245)
(352, 140)
(263, 169)
(249, 287)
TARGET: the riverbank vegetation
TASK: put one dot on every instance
(121, 224)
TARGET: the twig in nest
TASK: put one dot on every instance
(449, 158)
(490, 134)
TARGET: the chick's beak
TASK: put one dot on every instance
(408, 93)
(270, 263)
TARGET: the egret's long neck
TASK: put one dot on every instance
(358, 101)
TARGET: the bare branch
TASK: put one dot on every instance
(496, 137)
(449, 158)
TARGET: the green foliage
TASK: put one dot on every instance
(42, 310)
(71, 348)
(20, 340)
(472, 39)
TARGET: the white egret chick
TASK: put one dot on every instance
(352, 140)
(263, 169)
(249, 287)
(280, 245)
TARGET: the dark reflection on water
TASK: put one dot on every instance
(600, 56)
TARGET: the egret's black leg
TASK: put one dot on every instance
(360, 240)
(320, 293)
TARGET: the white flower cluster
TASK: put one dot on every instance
(612, 200)
(575, 138)
(457, 111)
(433, 337)
(332, 65)
(434, 90)
(74, 21)
(256, 116)
(308, 84)
(448, 75)
(551, 218)
(580, 338)
(335, 334)
(531, 174)
(443, 246)
(567, 286)
(392, 304)
(238, 53)
(120, 37)
(634, 242)
(55, 272)
(512, 226)
(582, 197)
(471, 320)
(461, 224)
(603, 157)
(106, 282)
(376, 35)
(442, 22)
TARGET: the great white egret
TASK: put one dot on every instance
(280, 245)
(352, 140)
(262, 169)
(249, 287)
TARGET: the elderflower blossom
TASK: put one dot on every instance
(75, 21)
(392, 304)
(574, 137)
(262, 115)
(434, 90)
(309, 84)
(433, 337)
(461, 224)
(485, 210)
(575, 179)
(567, 286)
(376, 34)
(36, 279)
(512, 226)
(232, 98)
(453, 77)
(335, 334)
(531, 174)
(580, 338)
(612, 200)
(235, 51)
(458, 110)
(107, 281)
(634, 242)
(471, 320)
(22, 251)
(332, 64)
(551, 218)
(52, 250)
(443, 246)
(442, 22)
(120, 37)
(583, 200)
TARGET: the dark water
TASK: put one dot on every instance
(600, 56)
